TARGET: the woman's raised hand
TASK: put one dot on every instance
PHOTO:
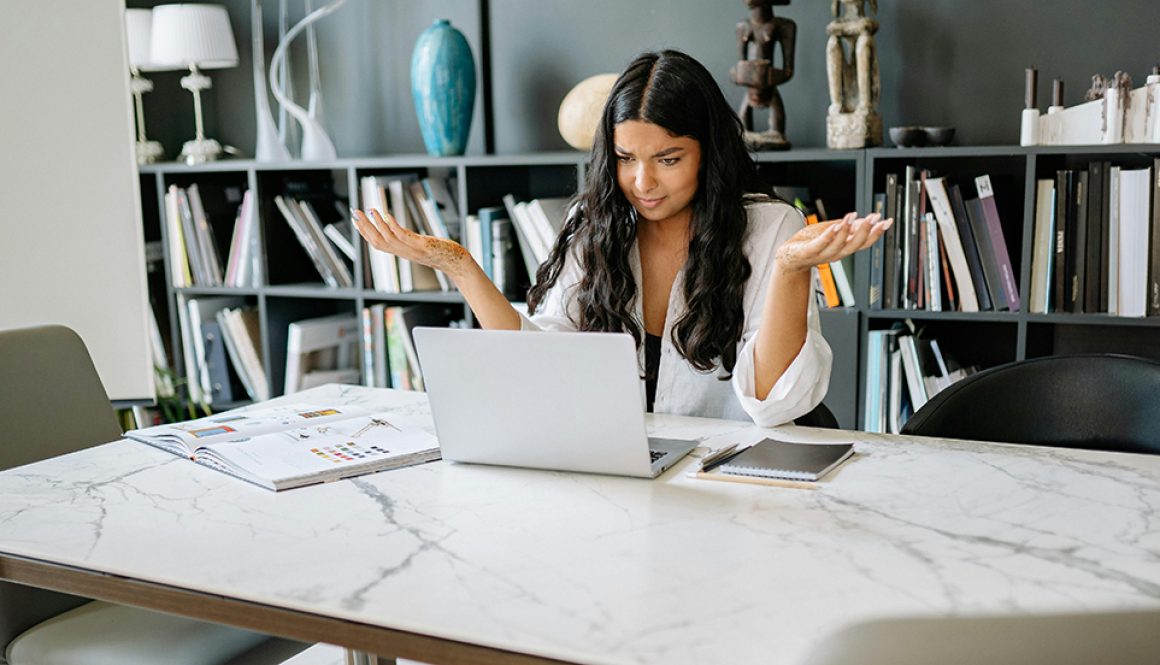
(826, 242)
(385, 234)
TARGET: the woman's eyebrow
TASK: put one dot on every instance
(663, 153)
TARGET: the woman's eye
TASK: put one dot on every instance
(623, 159)
(669, 161)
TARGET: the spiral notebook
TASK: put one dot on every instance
(770, 458)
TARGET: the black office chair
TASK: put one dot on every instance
(821, 416)
(1123, 638)
(1099, 401)
(54, 403)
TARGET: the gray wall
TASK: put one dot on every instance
(943, 62)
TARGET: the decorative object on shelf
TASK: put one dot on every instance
(268, 147)
(852, 68)
(909, 136)
(758, 38)
(580, 111)
(138, 26)
(443, 88)
(1112, 112)
(198, 37)
(1029, 121)
(286, 127)
(316, 144)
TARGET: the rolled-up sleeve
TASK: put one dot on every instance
(801, 387)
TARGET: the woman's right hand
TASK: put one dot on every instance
(385, 234)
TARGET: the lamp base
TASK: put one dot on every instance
(200, 151)
(149, 152)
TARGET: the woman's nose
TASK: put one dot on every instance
(644, 179)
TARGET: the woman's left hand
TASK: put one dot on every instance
(826, 242)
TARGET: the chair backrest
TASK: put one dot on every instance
(1123, 638)
(54, 402)
(1099, 401)
(820, 416)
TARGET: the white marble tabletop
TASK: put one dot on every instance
(601, 569)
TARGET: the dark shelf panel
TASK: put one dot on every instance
(1095, 320)
(924, 315)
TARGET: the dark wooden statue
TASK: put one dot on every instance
(758, 39)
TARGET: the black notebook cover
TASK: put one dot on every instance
(770, 458)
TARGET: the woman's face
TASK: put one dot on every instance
(656, 171)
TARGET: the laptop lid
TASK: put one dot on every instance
(551, 400)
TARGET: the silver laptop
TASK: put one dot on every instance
(546, 400)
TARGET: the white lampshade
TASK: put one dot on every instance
(138, 26)
(192, 34)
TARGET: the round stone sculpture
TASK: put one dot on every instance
(580, 111)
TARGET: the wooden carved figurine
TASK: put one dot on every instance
(852, 70)
(758, 38)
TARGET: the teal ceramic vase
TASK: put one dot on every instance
(443, 88)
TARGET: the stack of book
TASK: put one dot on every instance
(322, 247)
(904, 369)
(221, 350)
(1096, 242)
(387, 344)
(944, 252)
(536, 223)
(423, 205)
(832, 281)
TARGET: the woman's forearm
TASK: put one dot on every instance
(491, 308)
(783, 327)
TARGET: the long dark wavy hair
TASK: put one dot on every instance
(672, 90)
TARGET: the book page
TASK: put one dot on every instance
(325, 451)
(231, 425)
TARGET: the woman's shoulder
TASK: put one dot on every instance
(768, 216)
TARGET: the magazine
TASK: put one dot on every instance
(291, 445)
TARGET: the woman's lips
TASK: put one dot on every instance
(649, 203)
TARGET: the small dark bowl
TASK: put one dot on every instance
(939, 135)
(908, 137)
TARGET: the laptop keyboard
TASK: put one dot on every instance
(655, 455)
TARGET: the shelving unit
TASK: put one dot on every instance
(992, 338)
(845, 180)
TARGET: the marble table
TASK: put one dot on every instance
(464, 563)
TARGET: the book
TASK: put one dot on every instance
(291, 445)
(240, 331)
(339, 233)
(320, 344)
(998, 241)
(1152, 289)
(771, 458)
(1064, 219)
(877, 251)
(940, 201)
(890, 258)
(1093, 277)
(993, 278)
(1042, 253)
(383, 266)
(1135, 217)
(970, 248)
(1078, 238)
(825, 277)
(1113, 200)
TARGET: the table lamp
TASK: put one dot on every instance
(138, 25)
(199, 37)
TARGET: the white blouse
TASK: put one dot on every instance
(684, 390)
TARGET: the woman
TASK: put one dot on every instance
(672, 242)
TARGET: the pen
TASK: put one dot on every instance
(720, 457)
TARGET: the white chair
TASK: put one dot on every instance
(49, 367)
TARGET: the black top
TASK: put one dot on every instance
(652, 362)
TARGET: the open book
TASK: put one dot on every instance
(291, 445)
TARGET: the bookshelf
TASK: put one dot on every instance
(843, 179)
(293, 290)
(990, 338)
